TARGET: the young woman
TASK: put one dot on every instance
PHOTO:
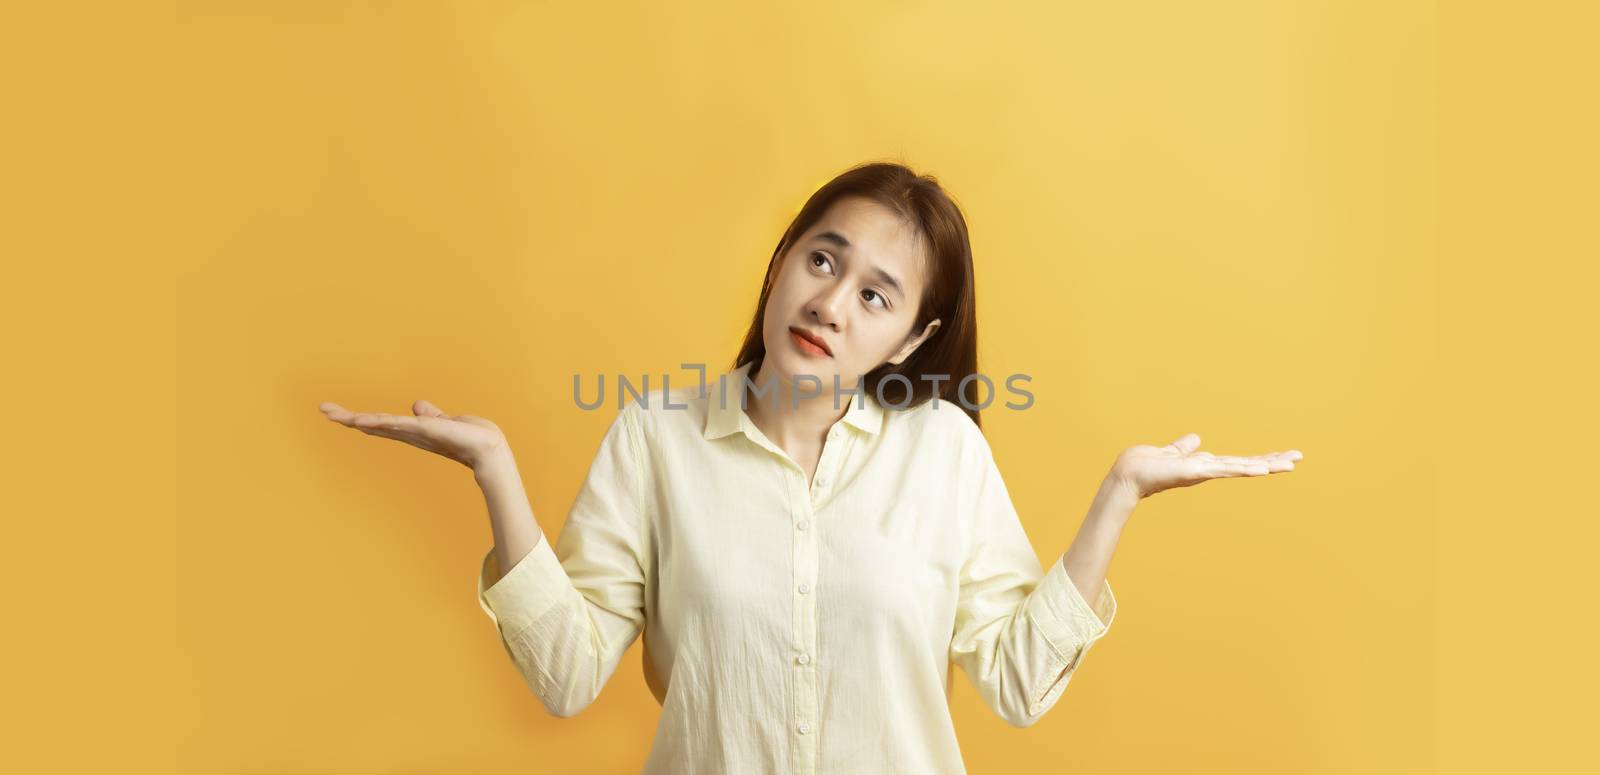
(810, 543)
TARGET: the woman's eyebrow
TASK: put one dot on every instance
(834, 237)
(887, 279)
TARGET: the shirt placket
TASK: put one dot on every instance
(807, 721)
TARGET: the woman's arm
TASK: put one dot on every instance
(1020, 630)
(565, 619)
(1088, 559)
(567, 609)
(511, 520)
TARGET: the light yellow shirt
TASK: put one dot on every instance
(791, 628)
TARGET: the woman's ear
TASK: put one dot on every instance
(913, 343)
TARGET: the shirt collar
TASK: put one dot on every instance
(724, 418)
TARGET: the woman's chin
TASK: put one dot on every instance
(798, 369)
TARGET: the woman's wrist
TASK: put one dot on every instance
(496, 467)
(1114, 502)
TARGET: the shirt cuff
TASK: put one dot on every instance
(530, 589)
(1069, 622)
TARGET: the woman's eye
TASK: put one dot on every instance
(820, 259)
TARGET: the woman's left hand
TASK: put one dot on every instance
(1145, 470)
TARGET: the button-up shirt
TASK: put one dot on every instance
(793, 626)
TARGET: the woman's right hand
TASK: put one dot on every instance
(466, 439)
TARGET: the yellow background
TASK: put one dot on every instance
(1359, 229)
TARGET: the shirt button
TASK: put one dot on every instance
(805, 659)
(836, 433)
(803, 524)
(822, 481)
(805, 729)
(805, 588)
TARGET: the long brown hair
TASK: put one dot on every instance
(952, 349)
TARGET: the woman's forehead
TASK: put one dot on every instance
(866, 230)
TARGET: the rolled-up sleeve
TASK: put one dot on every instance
(1020, 632)
(566, 614)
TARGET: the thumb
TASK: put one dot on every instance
(424, 409)
(1186, 443)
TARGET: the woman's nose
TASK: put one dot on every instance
(825, 307)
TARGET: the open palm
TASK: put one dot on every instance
(466, 439)
(1147, 470)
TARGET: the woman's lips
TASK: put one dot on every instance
(806, 345)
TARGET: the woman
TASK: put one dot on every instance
(809, 546)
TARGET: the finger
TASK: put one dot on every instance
(419, 444)
(335, 412)
(1240, 469)
(1233, 459)
(425, 409)
(1286, 454)
(1280, 461)
(1272, 462)
(1286, 459)
(1186, 443)
(384, 432)
(415, 441)
(344, 417)
(393, 422)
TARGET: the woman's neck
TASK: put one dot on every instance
(789, 418)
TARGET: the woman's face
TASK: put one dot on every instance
(854, 280)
